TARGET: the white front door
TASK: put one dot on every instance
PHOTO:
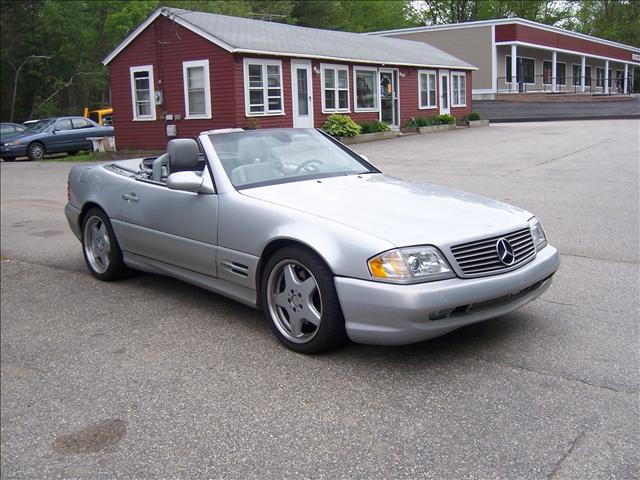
(302, 94)
(445, 93)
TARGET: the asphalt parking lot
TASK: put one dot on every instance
(153, 378)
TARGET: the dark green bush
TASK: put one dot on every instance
(429, 121)
(374, 127)
(473, 116)
(341, 126)
(446, 118)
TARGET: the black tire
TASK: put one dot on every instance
(73, 152)
(36, 151)
(307, 267)
(110, 266)
(9, 159)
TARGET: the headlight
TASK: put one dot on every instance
(537, 232)
(410, 264)
(12, 144)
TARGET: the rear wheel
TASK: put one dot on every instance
(102, 253)
(36, 151)
(300, 302)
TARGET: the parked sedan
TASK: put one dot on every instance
(10, 128)
(292, 222)
(52, 135)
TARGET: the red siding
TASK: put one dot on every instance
(165, 45)
(524, 33)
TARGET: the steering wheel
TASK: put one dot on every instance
(311, 166)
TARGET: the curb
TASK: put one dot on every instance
(557, 119)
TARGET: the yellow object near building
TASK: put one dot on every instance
(102, 116)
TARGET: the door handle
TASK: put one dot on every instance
(130, 197)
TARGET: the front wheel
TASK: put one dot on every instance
(300, 302)
(36, 151)
(100, 247)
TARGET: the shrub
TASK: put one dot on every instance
(446, 118)
(473, 116)
(341, 126)
(374, 127)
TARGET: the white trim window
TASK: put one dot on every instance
(427, 89)
(458, 89)
(335, 88)
(197, 89)
(263, 87)
(142, 93)
(366, 89)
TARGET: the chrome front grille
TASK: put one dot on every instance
(481, 257)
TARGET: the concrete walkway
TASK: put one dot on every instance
(501, 111)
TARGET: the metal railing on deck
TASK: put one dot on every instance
(566, 84)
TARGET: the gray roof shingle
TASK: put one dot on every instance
(247, 35)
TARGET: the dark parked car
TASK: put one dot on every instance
(52, 135)
(9, 128)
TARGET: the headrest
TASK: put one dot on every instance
(183, 154)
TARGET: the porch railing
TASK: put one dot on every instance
(566, 84)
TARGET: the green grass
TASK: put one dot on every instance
(80, 157)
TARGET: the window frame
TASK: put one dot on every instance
(336, 90)
(452, 77)
(435, 89)
(207, 89)
(564, 78)
(376, 85)
(152, 94)
(264, 63)
(507, 64)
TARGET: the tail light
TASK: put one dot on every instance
(68, 191)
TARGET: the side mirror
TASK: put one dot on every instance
(186, 181)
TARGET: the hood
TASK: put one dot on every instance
(402, 212)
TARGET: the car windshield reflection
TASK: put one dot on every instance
(264, 157)
(38, 126)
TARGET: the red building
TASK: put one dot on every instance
(182, 72)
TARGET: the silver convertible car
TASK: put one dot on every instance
(293, 222)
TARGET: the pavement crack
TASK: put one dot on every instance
(566, 454)
(588, 257)
(581, 149)
(559, 303)
(557, 376)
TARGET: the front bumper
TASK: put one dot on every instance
(389, 314)
(13, 151)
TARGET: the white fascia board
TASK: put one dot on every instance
(132, 36)
(176, 18)
(503, 21)
(562, 50)
(350, 60)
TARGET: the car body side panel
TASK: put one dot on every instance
(248, 225)
(175, 227)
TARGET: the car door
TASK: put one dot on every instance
(83, 129)
(174, 227)
(62, 135)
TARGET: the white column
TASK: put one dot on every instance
(583, 73)
(514, 67)
(626, 78)
(554, 70)
(606, 76)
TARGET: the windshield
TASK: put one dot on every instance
(263, 157)
(38, 126)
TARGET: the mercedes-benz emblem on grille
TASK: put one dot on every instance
(505, 252)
